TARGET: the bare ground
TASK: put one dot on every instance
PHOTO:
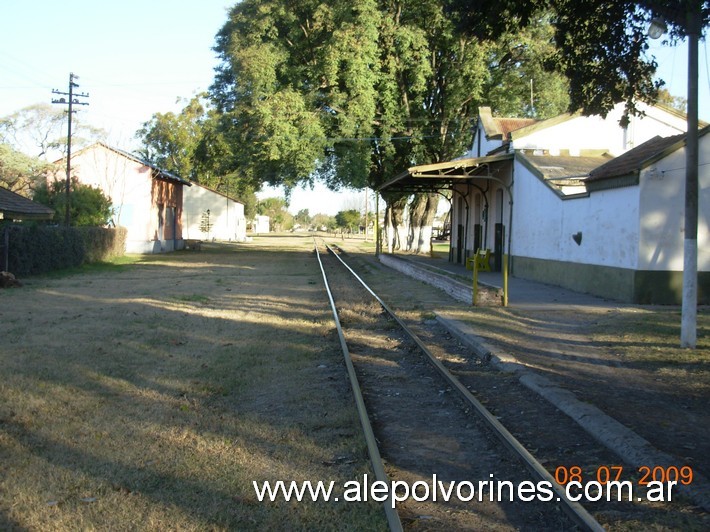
(623, 359)
(150, 396)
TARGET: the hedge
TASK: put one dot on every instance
(41, 249)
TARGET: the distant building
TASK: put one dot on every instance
(146, 200)
(261, 224)
(210, 215)
(14, 207)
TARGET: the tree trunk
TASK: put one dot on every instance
(431, 204)
(394, 223)
(415, 236)
(417, 211)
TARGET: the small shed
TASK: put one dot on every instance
(261, 224)
(16, 207)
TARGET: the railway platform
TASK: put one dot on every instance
(522, 293)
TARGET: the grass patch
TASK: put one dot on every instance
(123, 407)
(652, 337)
(440, 250)
(114, 265)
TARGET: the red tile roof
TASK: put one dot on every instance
(507, 125)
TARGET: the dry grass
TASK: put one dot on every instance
(152, 394)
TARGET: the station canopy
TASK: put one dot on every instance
(443, 176)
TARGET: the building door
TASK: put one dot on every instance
(459, 242)
(171, 223)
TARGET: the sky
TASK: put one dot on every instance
(136, 58)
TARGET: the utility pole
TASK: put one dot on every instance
(73, 99)
(689, 311)
(691, 22)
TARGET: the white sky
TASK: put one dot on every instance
(137, 57)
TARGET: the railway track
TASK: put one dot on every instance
(426, 433)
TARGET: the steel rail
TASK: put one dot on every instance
(393, 520)
(575, 510)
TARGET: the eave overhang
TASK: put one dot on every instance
(437, 176)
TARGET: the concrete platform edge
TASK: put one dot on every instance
(629, 446)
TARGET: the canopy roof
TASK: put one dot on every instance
(437, 176)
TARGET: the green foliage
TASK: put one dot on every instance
(41, 249)
(275, 208)
(302, 217)
(675, 102)
(42, 129)
(349, 219)
(170, 140)
(19, 172)
(323, 220)
(518, 74)
(601, 49)
(88, 206)
(192, 144)
(601, 45)
(352, 92)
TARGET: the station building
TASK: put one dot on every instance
(577, 201)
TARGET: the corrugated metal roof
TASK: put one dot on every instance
(564, 165)
(508, 125)
(160, 173)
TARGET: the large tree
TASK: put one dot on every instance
(19, 172)
(170, 140)
(601, 45)
(191, 145)
(351, 92)
(40, 130)
(88, 205)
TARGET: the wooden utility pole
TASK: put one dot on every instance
(73, 99)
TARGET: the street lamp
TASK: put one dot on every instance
(657, 28)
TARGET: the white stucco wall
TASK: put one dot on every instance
(663, 214)
(481, 145)
(597, 133)
(226, 215)
(128, 185)
(261, 224)
(543, 224)
(498, 212)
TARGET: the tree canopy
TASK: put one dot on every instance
(354, 92)
(349, 219)
(19, 172)
(41, 129)
(601, 45)
(88, 206)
